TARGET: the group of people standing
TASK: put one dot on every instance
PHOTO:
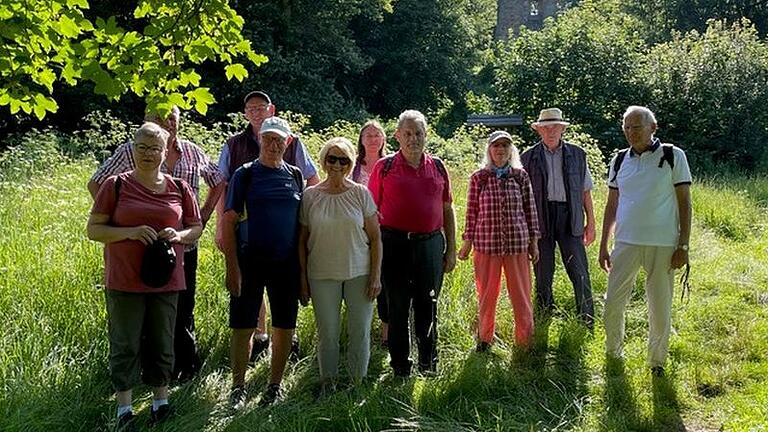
(377, 228)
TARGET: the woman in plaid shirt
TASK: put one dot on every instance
(501, 225)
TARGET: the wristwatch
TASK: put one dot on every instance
(683, 246)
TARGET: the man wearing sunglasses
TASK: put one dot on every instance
(413, 194)
(245, 147)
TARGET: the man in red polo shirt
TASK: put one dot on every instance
(418, 227)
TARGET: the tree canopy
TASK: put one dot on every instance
(53, 41)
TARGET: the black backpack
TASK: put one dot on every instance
(668, 155)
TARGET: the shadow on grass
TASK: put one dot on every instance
(621, 411)
(509, 388)
(666, 410)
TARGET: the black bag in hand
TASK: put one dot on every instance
(158, 264)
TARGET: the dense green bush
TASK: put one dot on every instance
(583, 62)
(709, 92)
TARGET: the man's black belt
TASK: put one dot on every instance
(405, 235)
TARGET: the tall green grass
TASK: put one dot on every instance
(53, 344)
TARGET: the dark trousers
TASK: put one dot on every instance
(412, 274)
(574, 258)
(140, 337)
(184, 346)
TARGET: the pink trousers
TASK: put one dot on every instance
(517, 269)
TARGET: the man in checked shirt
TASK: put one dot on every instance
(188, 162)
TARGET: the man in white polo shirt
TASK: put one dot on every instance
(649, 205)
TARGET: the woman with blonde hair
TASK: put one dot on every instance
(340, 258)
(502, 228)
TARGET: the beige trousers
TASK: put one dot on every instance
(626, 260)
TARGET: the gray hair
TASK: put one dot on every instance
(412, 115)
(155, 117)
(153, 132)
(647, 114)
(514, 157)
(342, 144)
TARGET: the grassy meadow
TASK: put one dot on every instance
(53, 343)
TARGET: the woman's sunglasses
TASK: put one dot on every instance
(342, 160)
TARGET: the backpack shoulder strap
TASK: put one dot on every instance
(297, 177)
(118, 185)
(386, 167)
(617, 165)
(177, 182)
(441, 167)
(668, 154)
(356, 172)
(388, 162)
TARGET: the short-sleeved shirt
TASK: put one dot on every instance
(647, 212)
(410, 199)
(555, 183)
(300, 158)
(501, 212)
(136, 205)
(271, 200)
(192, 164)
(338, 244)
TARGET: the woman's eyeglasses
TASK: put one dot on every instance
(143, 149)
(342, 160)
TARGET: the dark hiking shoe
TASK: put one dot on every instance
(237, 397)
(163, 413)
(483, 347)
(271, 395)
(126, 423)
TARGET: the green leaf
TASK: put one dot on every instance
(189, 76)
(202, 98)
(70, 74)
(236, 70)
(67, 27)
(257, 59)
(46, 77)
(82, 4)
(15, 105)
(44, 104)
(177, 99)
(5, 13)
(143, 9)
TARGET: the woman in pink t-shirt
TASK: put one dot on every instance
(370, 148)
(131, 211)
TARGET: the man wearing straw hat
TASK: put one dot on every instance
(562, 188)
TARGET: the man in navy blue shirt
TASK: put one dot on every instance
(260, 235)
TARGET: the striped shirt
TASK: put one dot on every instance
(501, 213)
(192, 165)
